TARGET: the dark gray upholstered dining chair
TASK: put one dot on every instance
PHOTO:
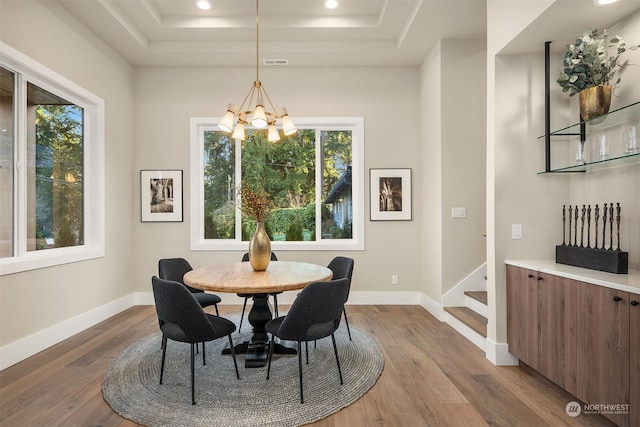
(174, 269)
(314, 314)
(342, 267)
(245, 258)
(182, 319)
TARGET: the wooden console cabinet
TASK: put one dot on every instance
(583, 337)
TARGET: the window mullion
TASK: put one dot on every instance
(20, 167)
(319, 183)
(238, 181)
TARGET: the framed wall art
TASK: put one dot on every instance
(390, 194)
(161, 196)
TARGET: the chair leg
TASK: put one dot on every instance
(193, 374)
(270, 354)
(217, 312)
(244, 306)
(233, 353)
(335, 350)
(164, 352)
(275, 305)
(300, 370)
(344, 311)
(306, 347)
(204, 360)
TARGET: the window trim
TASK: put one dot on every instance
(30, 70)
(356, 124)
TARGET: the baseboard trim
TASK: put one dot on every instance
(476, 281)
(23, 348)
(474, 337)
(498, 354)
(432, 307)
(355, 298)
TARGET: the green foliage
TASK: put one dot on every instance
(286, 170)
(281, 218)
(309, 216)
(337, 155)
(343, 232)
(294, 231)
(59, 173)
(587, 62)
(249, 228)
(220, 224)
(65, 235)
(219, 170)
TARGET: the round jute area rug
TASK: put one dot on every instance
(131, 385)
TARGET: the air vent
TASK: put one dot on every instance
(275, 62)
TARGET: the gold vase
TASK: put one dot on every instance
(260, 248)
(594, 101)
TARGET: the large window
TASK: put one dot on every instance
(313, 179)
(51, 172)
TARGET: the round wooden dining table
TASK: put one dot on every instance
(239, 277)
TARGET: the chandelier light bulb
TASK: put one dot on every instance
(288, 128)
(239, 132)
(226, 124)
(273, 135)
(259, 115)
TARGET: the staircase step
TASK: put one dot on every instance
(470, 318)
(478, 295)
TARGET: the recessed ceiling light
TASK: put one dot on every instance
(203, 4)
(603, 2)
(331, 4)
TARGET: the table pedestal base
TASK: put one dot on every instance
(257, 350)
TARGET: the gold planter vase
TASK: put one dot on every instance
(260, 248)
(594, 101)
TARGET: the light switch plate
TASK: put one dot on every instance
(516, 231)
(458, 212)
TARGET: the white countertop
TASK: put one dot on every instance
(623, 282)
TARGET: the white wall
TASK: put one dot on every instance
(452, 97)
(166, 99)
(431, 178)
(464, 83)
(32, 301)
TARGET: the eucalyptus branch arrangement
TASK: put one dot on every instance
(254, 203)
(588, 61)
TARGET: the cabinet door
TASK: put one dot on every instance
(634, 348)
(603, 347)
(557, 314)
(522, 314)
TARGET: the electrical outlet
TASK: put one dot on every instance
(394, 279)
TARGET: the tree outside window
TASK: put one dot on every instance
(307, 176)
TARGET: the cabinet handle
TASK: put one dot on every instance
(617, 298)
(530, 276)
(634, 303)
(540, 278)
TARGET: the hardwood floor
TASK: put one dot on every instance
(432, 377)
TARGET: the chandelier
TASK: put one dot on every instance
(260, 117)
